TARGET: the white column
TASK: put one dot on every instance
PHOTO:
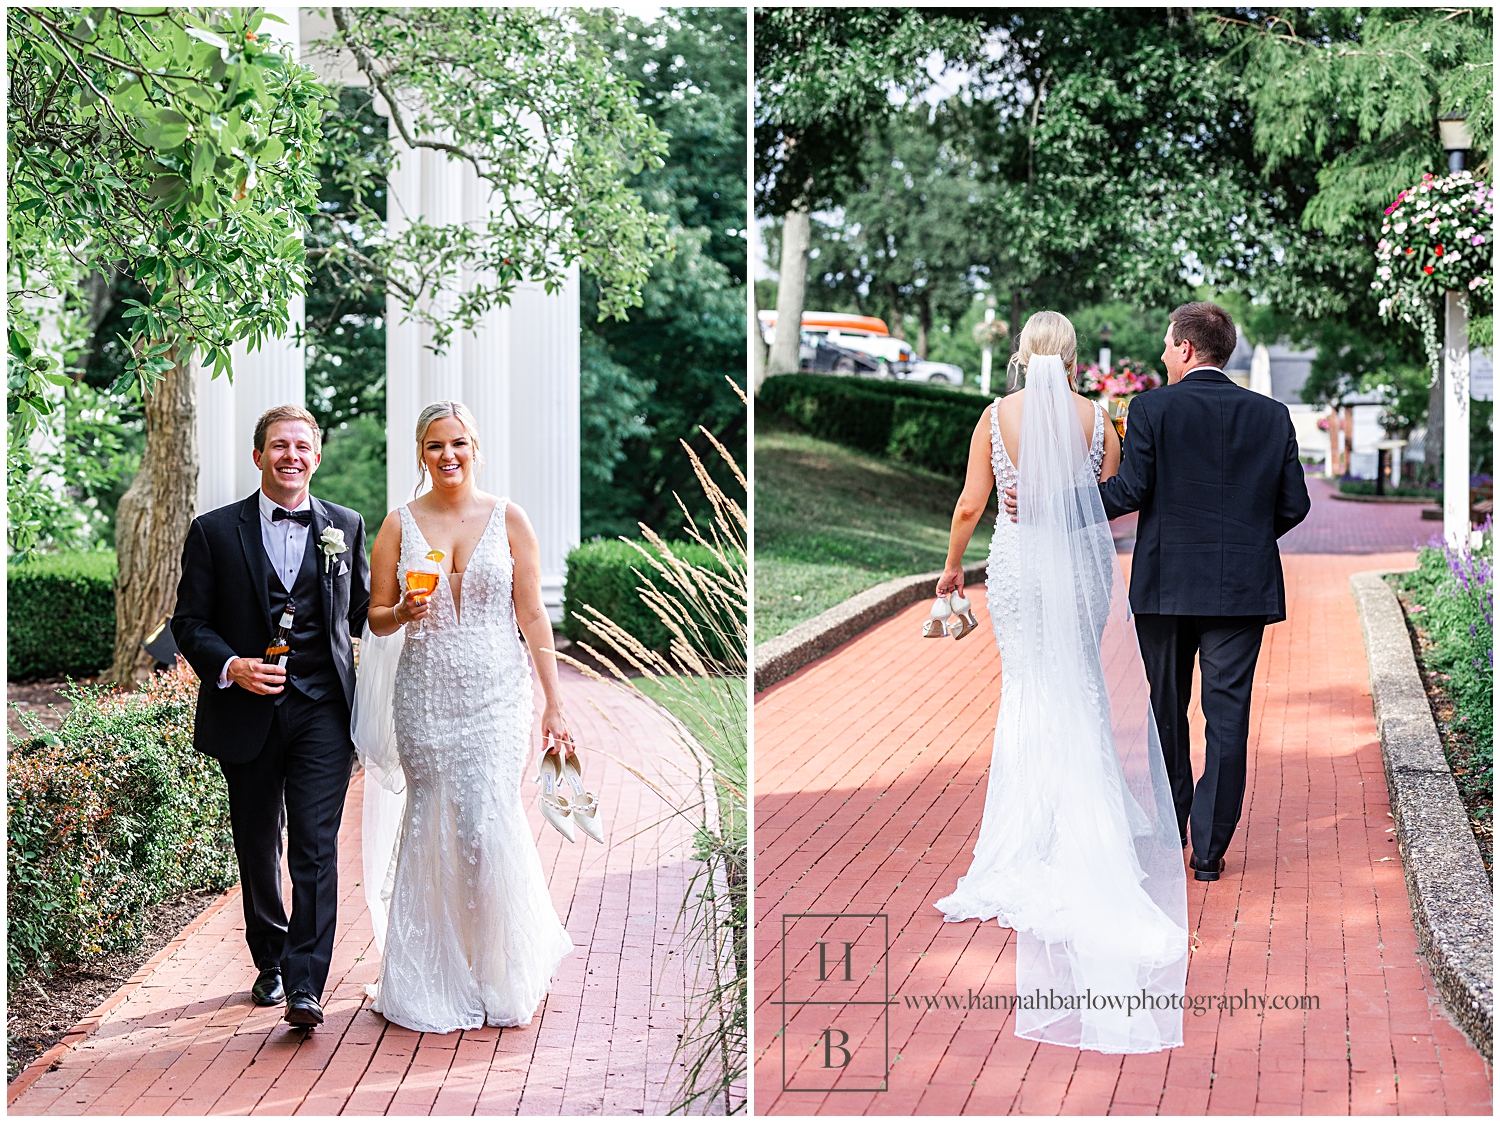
(1260, 370)
(274, 374)
(220, 444)
(1456, 421)
(518, 372)
(545, 436)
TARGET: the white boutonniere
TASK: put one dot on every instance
(332, 544)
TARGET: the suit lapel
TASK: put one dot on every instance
(321, 522)
(255, 554)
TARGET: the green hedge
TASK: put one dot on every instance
(843, 410)
(111, 814)
(61, 619)
(1410, 491)
(602, 574)
(928, 426)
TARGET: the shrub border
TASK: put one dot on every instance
(1350, 498)
(1452, 900)
(784, 655)
(91, 1021)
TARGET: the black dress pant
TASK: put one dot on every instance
(1227, 648)
(299, 782)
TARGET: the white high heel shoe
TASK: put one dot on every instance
(585, 804)
(556, 807)
(936, 625)
(966, 622)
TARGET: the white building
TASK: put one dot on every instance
(519, 372)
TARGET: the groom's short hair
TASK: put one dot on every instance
(287, 413)
(1207, 327)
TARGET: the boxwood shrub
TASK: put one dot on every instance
(61, 619)
(928, 426)
(842, 410)
(934, 434)
(109, 815)
(602, 574)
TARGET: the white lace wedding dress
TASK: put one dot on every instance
(1078, 848)
(472, 936)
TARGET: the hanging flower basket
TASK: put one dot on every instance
(1437, 237)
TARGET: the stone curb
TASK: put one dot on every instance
(44, 1064)
(1452, 900)
(784, 655)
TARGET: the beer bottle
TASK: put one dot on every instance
(280, 648)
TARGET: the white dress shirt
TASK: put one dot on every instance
(284, 543)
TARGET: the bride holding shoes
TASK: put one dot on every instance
(442, 721)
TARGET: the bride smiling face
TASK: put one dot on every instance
(448, 447)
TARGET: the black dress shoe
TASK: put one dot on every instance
(1204, 870)
(303, 1010)
(267, 989)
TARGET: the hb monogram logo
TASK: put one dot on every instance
(835, 1002)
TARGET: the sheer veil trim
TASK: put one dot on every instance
(374, 733)
(1078, 850)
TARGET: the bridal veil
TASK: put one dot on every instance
(1079, 852)
(374, 733)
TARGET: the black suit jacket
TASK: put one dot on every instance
(222, 611)
(1213, 470)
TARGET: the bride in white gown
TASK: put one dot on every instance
(443, 724)
(1078, 849)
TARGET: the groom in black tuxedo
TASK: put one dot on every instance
(1213, 470)
(281, 735)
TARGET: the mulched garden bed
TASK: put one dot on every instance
(37, 697)
(42, 1010)
(1477, 795)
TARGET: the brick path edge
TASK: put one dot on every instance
(1452, 900)
(786, 654)
(90, 1022)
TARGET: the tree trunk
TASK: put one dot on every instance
(791, 292)
(757, 343)
(152, 521)
(1432, 448)
(1015, 332)
(924, 324)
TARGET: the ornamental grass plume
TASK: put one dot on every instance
(702, 680)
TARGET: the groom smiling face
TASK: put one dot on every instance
(290, 453)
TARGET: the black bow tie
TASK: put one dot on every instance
(303, 516)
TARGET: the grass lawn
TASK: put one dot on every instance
(831, 522)
(709, 696)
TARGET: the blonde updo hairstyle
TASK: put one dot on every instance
(1045, 333)
(436, 412)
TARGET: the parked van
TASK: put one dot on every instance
(826, 333)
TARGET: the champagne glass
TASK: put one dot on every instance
(423, 579)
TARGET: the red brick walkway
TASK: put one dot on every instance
(188, 1041)
(870, 779)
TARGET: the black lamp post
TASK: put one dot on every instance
(1106, 358)
(1457, 139)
